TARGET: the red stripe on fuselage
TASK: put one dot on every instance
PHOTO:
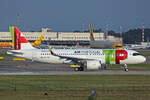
(121, 55)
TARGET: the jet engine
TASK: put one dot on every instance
(93, 65)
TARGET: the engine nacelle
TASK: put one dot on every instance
(93, 65)
(68, 62)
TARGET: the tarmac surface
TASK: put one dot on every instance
(37, 68)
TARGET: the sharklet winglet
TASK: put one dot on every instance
(50, 50)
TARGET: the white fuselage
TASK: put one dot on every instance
(62, 55)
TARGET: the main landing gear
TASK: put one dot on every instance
(126, 68)
(79, 69)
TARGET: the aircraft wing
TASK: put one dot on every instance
(71, 58)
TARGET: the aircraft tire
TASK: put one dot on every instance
(76, 69)
(81, 69)
(126, 70)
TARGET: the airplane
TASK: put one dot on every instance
(91, 59)
(38, 41)
(102, 43)
(10, 44)
(135, 46)
(98, 43)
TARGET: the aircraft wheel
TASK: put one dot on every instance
(81, 69)
(76, 69)
(126, 68)
(103, 67)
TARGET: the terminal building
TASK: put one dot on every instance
(58, 38)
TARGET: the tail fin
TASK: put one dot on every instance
(38, 41)
(18, 40)
(91, 33)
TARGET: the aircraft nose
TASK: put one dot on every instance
(143, 59)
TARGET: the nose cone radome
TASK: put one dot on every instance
(143, 59)
(139, 59)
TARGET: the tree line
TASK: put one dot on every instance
(132, 36)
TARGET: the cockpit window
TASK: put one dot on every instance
(136, 54)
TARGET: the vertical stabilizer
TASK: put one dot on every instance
(11, 28)
(38, 41)
(18, 40)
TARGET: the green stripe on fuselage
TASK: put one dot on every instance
(110, 56)
(11, 28)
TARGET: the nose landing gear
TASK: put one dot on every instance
(126, 68)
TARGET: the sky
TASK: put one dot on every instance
(70, 15)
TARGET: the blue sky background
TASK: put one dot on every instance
(70, 15)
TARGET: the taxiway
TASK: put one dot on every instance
(37, 68)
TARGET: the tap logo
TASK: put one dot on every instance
(114, 56)
(121, 55)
